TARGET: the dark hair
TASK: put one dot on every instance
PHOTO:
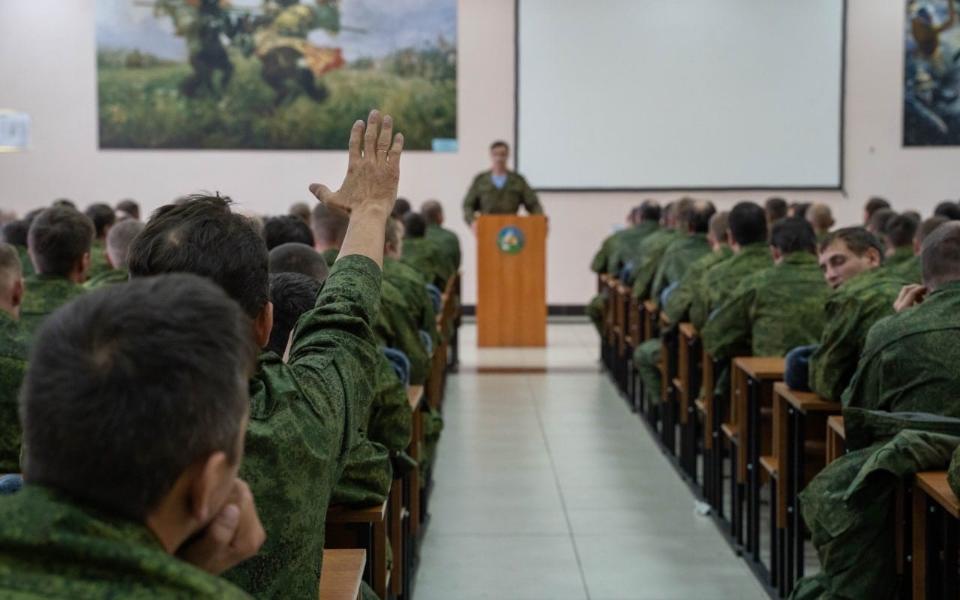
(948, 209)
(130, 385)
(748, 223)
(432, 211)
(499, 144)
(401, 208)
(873, 205)
(292, 294)
(880, 219)
(650, 211)
(793, 234)
(67, 202)
(698, 218)
(300, 210)
(102, 217)
(776, 209)
(900, 230)
(929, 226)
(941, 255)
(415, 225)
(15, 232)
(297, 258)
(205, 238)
(329, 224)
(58, 238)
(800, 209)
(120, 239)
(286, 229)
(857, 239)
(130, 207)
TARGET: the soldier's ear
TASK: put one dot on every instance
(16, 294)
(263, 325)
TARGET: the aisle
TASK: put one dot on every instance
(547, 487)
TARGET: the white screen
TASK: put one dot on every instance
(680, 94)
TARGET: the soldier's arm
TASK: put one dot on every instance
(727, 332)
(471, 202)
(391, 419)
(530, 199)
(834, 362)
(680, 302)
(599, 262)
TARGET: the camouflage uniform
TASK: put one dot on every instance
(646, 260)
(850, 312)
(13, 365)
(109, 277)
(98, 259)
(412, 284)
(26, 265)
(720, 280)
(899, 260)
(627, 246)
(910, 269)
(448, 242)
(909, 360)
(486, 198)
(53, 548)
(43, 295)
(330, 256)
(427, 257)
(396, 327)
(391, 420)
(303, 419)
(608, 259)
(677, 307)
(771, 311)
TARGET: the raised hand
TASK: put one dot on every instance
(373, 172)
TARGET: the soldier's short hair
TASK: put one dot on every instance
(776, 209)
(719, 225)
(874, 204)
(948, 209)
(415, 225)
(102, 217)
(111, 366)
(119, 240)
(297, 258)
(941, 255)
(928, 227)
(58, 238)
(650, 211)
(857, 239)
(499, 144)
(901, 230)
(204, 237)
(748, 223)
(401, 207)
(329, 224)
(292, 294)
(800, 209)
(15, 232)
(129, 206)
(698, 219)
(286, 229)
(793, 234)
(300, 210)
(819, 215)
(880, 219)
(432, 211)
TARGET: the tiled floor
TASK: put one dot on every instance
(547, 487)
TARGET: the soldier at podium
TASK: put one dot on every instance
(499, 191)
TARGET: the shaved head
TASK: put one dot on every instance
(941, 256)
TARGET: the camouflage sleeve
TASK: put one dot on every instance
(599, 262)
(864, 390)
(833, 363)
(391, 419)
(530, 199)
(727, 332)
(406, 338)
(680, 302)
(643, 277)
(470, 203)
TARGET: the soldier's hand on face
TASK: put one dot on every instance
(910, 295)
(374, 168)
(233, 536)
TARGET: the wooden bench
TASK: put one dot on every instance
(364, 528)
(412, 484)
(936, 537)
(688, 388)
(798, 453)
(342, 574)
(836, 438)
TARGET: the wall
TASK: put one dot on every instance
(47, 68)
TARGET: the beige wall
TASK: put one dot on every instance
(47, 68)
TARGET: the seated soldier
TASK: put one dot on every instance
(286, 230)
(432, 211)
(15, 234)
(128, 209)
(676, 309)
(649, 253)
(329, 228)
(401, 208)
(423, 254)
(862, 295)
(297, 258)
(303, 412)
(898, 236)
(300, 210)
(821, 219)
(775, 209)
(799, 209)
(13, 357)
(776, 309)
(873, 205)
(878, 221)
(948, 210)
(110, 508)
(59, 242)
(103, 217)
(119, 240)
(911, 269)
(908, 363)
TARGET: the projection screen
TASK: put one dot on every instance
(680, 94)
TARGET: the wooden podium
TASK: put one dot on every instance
(512, 289)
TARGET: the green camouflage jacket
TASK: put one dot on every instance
(413, 286)
(850, 506)
(448, 241)
(391, 420)
(899, 258)
(677, 258)
(26, 265)
(13, 365)
(850, 312)
(396, 327)
(647, 259)
(487, 199)
(109, 277)
(908, 268)
(771, 312)
(330, 256)
(626, 246)
(909, 360)
(52, 548)
(98, 259)
(43, 295)
(599, 263)
(681, 299)
(303, 415)
(721, 279)
(428, 257)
